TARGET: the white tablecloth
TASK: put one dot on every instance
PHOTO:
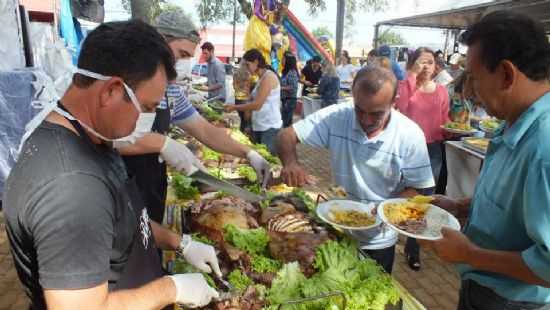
(463, 167)
(312, 105)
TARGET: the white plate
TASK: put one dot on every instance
(323, 211)
(436, 218)
(459, 131)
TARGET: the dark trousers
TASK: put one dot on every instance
(384, 257)
(244, 123)
(474, 296)
(268, 137)
(287, 111)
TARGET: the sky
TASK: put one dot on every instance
(363, 30)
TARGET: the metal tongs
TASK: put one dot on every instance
(228, 291)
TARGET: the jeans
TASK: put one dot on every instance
(435, 151)
(268, 137)
(244, 123)
(384, 257)
(287, 111)
(474, 296)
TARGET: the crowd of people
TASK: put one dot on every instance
(83, 221)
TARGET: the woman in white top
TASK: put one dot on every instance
(266, 101)
(346, 71)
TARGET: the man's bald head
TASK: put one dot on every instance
(371, 79)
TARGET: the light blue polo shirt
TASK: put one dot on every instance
(371, 170)
(511, 204)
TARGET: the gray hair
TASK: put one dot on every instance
(177, 25)
(329, 69)
(371, 79)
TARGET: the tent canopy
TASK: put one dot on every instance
(461, 18)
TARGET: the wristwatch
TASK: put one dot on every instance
(184, 243)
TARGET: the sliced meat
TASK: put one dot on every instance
(300, 247)
(276, 209)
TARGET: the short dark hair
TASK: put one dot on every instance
(316, 59)
(419, 51)
(207, 46)
(439, 62)
(253, 55)
(131, 50)
(372, 78)
(373, 53)
(529, 50)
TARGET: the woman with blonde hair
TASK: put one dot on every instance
(329, 85)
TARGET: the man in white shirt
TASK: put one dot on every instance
(442, 77)
(376, 152)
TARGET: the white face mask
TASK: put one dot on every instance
(183, 68)
(144, 122)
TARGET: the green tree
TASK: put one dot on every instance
(390, 37)
(222, 10)
(322, 31)
(147, 10)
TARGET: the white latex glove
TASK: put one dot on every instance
(262, 167)
(202, 256)
(196, 98)
(180, 157)
(192, 290)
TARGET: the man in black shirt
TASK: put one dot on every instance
(79, 233)
(311, 74)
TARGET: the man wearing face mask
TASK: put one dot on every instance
(142, 157)
(78, 230)
(376, 152)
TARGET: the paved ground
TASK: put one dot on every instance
(435, 286)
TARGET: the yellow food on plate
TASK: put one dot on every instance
(478, 142)
(281, 188)
(351, 218)
(400, 212)
(458, 126)
(421, 199)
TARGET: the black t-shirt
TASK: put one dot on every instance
(311, 76)
(66, 225)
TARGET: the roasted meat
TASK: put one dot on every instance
(300, 247)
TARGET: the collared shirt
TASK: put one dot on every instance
(371, 170)
(511, 204)
(181, 109)
(216, 76)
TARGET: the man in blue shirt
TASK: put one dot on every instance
(503, 254)
(376, 152)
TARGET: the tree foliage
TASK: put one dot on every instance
(322, 31)
(222, 10)
(389, 37)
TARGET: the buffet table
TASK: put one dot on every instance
(311, 105)
(463, 167)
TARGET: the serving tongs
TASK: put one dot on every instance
(314, 298)
(227, 291)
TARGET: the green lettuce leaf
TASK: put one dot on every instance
(264, 264)
(239, 280)
(252, 241)
(287, 284)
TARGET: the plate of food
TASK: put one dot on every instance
(348, 214)
(416, 217)
(476, 144)
(459, 128)
(313, 96)
(490, 125)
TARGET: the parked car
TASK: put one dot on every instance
(200, 70)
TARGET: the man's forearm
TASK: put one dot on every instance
(215, 138)
(164, 237)
(214, 87)
(510, 264)
(154, 295)
(286, 144)
(408, 192)
(149, 144)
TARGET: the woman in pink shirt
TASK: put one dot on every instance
(427, 104)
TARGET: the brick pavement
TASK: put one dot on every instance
(435, 285)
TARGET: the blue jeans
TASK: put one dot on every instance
(474, 296)
(287, 111)
(268, 137)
